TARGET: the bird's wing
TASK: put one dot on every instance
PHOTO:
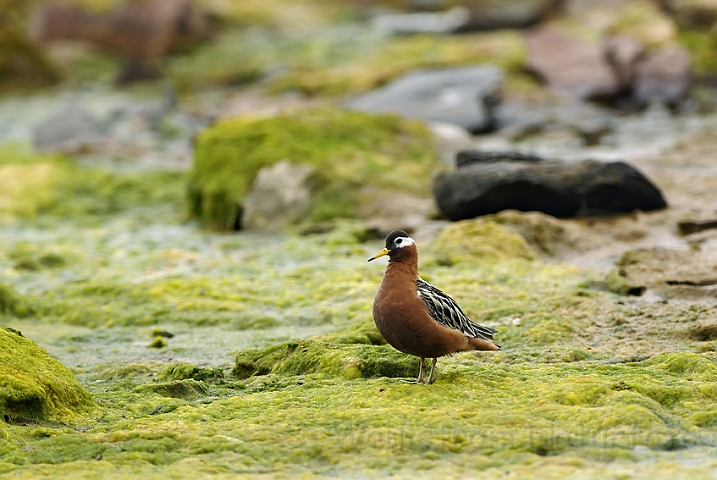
(446, 311)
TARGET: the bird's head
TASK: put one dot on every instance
(399, 246)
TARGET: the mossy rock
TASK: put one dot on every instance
(616, 281)
(541, 231)
(184, 371)
(308, 356)
(347, 150)
(34, 386)
(687, 365)
(479, 240)
(188, 388)
(12, 303)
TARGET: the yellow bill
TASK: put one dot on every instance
(380, 254)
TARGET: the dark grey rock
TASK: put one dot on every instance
(569, 65)
(489, 182)
(68, 131)
(461, 96)
(665, 77)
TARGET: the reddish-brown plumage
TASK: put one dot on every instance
(402, 316)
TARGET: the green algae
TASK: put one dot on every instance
(506, 416)
(310, 356)
(338, 60)
(316, 71)
(185, 371)
(479, 240)
(335, 402)
(35, 386)
(186, 388)
(12, 303)
(700, 45)
(158, 342)
(32, 185)
(348, 150)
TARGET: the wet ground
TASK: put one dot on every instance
(636, 374)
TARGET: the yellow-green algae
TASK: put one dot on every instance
(32, 185)
(185, 371)
(480, 239)
(337, 60)
(562, 398)
(34, 386)
(348, 150)
(310, 356)
(12, 303)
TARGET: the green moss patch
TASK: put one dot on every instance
(187, 388)
(184, 371)
(479, 240)
(32, 185)
(307, 356)
(35, 386)
(348, 150)
(12, 303)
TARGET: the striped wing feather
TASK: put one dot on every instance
(446, 311)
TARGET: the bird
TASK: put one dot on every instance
(417, 318)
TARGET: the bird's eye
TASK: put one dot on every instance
(398, 241)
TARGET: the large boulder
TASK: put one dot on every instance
(34, 386)
(570, 65)
(347, 152)
(488, 182)
(463, 96)
(146, 30)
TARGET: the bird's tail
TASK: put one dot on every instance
(481, 344)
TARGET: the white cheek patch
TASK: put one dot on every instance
(405, 241)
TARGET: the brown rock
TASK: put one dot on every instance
(665, 77)
(145, 31)
(569, 65)
(624, 53)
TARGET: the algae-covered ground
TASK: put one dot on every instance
(220, 354)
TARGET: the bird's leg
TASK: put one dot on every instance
(433, 367)
(420, 370)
